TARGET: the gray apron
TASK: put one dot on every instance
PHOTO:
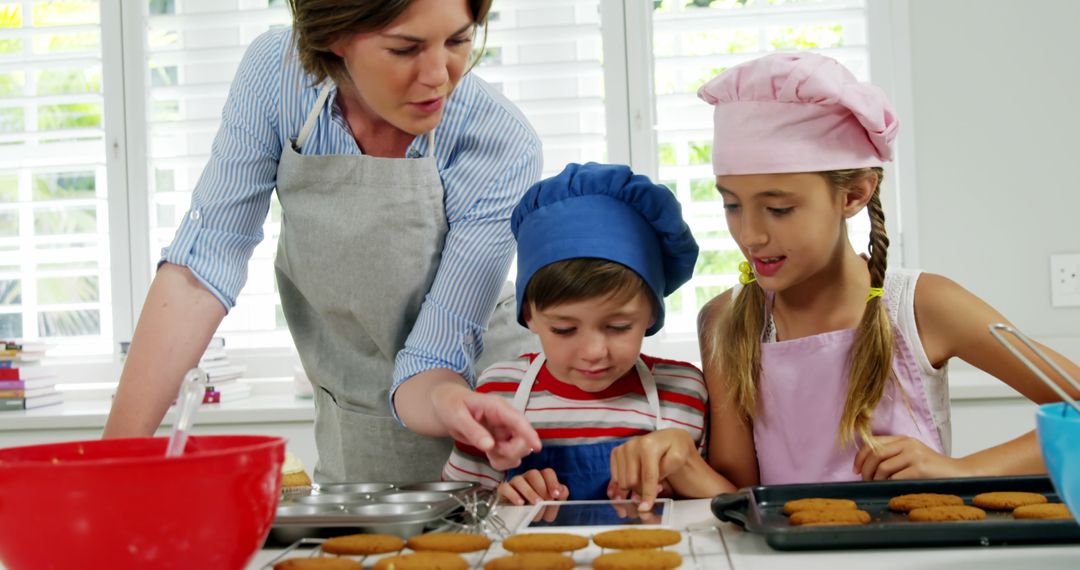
(361, 239)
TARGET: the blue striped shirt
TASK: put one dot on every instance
(487, 155)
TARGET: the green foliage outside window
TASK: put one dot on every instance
(719, 262)
(704, 189)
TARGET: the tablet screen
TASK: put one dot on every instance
(595, 513)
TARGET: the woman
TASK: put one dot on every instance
(397, 173)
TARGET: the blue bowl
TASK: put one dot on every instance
(1058, 426)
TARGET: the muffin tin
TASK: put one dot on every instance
(341, 508)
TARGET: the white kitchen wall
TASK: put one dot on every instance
(996, 96)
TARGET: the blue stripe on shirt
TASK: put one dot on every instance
(487, 156)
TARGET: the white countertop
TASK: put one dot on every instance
(717, 545)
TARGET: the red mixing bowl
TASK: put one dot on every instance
(121, 504)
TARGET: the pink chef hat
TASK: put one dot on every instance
(799, 112)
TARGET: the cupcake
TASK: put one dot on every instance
(294, 480)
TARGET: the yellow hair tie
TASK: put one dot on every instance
(875, 292)
(745, 277)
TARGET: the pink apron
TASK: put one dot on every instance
(801, 397)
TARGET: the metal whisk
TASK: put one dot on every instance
(996, 329)
(477, 515)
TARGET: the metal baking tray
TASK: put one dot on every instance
(344, 508)
(760, 510)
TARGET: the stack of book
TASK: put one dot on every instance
(223, 376)
(24, 383)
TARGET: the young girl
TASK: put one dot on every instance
(824, 365)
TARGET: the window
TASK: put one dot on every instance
(193, 48)
(55, 271)
(600, 80)
(546, 56)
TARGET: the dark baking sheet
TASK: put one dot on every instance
(760, 510)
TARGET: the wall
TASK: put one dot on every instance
(996, 96)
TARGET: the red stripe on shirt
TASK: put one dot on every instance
(490, 387)
(700, 428)
(683, 399)
(613, 409)
(579, 408)
(469, 450)
(580, 433)
(470, 473)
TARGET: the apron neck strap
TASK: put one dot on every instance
(313, 115)
(652, 395)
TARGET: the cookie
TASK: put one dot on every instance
(362, 544)
(318, 564)
(637, 538)
(532, 561)
(830, 517)
(797, 505)
(423, 561)
(544, 542)
(449, 542)
(947, 513)
(906, 503)
(1006, 501)
(1043, 511)
(638, 560)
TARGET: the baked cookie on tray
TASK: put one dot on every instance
(318, 564)
(423, 561)
(947, 513)
(1049, 511)
(830, 517)
(449, 542)
(637, 538)
(638, 560)
(362, 544)
(906, 503)
(544, 542)
(1007, 501)
(532, 561)
(816, 504)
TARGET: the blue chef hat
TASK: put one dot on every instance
(604, 211)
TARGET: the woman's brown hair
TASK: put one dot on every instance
(318, 24)
(735, 345)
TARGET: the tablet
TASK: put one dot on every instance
(563, 515)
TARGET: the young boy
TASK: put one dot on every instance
(598, 250)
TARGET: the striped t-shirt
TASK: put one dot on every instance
(564, 414)
(487, 155)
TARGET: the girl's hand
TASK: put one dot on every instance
(534, 486)
(903, 457)
(487, 422)
(640, 464)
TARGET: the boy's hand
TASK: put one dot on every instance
(534, 486)
(487, 422)
(641, 464)
(902, 457)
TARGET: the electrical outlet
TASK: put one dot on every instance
(1065, 280)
